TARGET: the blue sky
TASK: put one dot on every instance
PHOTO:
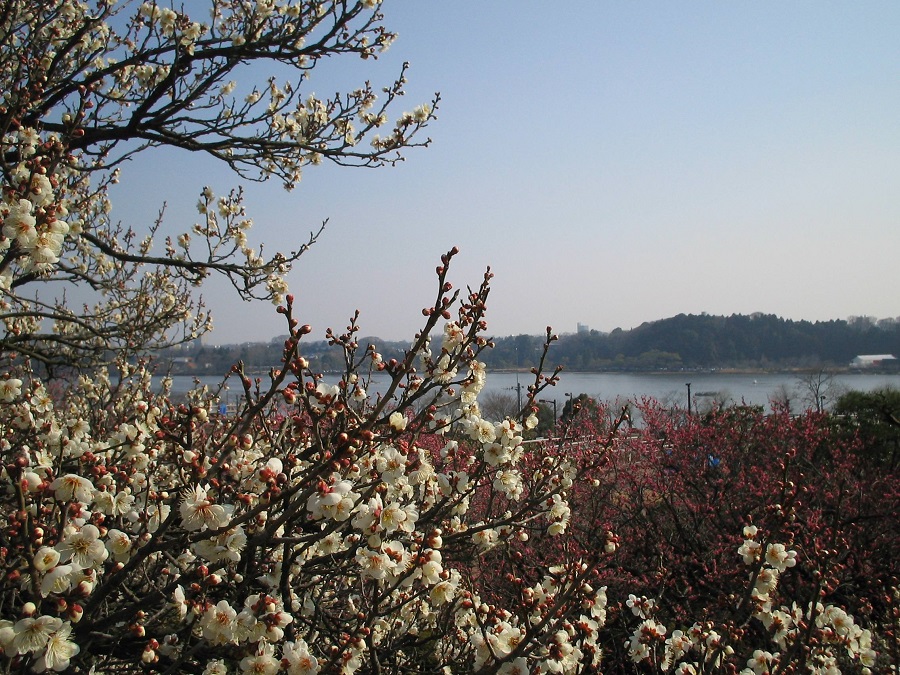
(614, 163)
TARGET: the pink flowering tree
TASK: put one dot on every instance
(746, 539)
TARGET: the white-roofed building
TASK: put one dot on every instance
(875, 361)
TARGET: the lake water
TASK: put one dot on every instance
(752, 389)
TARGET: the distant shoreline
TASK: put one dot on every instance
(843, 370)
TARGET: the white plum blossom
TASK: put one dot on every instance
(375, 564)
(779, 557)
(336, 501)
(216, 667)
(261, 663)
(750, 551)
(72, 486)
(486, 538)
(443, 593)
(7, 635)
(396, 517)
(218, 623)
(509, 482)
(760, 662)
(431, 571)
(59, 579)
(299, 659)
(10, 389)
(84, 547)
(398, 421)
(640, 606)
(497, 454)
(199, 511)
(113, 504)
(677, 645)
(58, 651)
(19, 225)
(483, 431)
(226, 546)
(119, 544)
(33, 634)
(766, 583)
(45, 558)
(390, 463)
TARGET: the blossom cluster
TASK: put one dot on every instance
(322, 528)
(827, 635)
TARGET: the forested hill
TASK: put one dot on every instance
(704, 341)
(684, 341)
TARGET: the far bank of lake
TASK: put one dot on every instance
(669, 388)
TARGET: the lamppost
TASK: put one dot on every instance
(688, 385)
(548, 401)
(569, 395)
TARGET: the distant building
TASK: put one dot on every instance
(875, 361)
(583, 328)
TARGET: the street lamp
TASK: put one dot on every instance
(547, 400)
(688, 385)
(569, 395)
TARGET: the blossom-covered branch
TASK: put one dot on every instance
(89, 85)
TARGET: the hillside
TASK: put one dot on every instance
(758, 341)
(705, 341)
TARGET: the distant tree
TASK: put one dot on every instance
(498, 405)
(782, 396)
(705, 402)
(875, 416)
(818, 389)
(546, 416)
(581, 405)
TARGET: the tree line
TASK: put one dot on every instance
(683, 341)
(707, 341)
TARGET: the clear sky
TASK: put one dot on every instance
(613, 162)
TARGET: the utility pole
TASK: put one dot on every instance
(518, 390)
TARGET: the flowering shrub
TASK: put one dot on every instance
(323, 527)
(818, 547)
